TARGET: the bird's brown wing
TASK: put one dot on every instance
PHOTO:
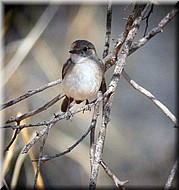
(66, 103)
(100, 62)
(67, 65)
(103, 86)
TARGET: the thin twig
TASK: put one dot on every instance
(61, 115)
(30, 93)
(149, 95)
(38, 136)
(171, 176)
(107, 41)
(69, 149)
(57, 118)
(92, 132)
(110, 60)
(36, 111)
(5, 184)
(40, 156)
(16, 132)
(120, 184)
(108, 30)
(96, 109)
(154, 31)
(99, 149)
(26, 115)
(147, 18)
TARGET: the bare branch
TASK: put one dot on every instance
(35, 139)
(147, 18)
(36, 111)
(30, 93)
(69, 149)
(120, 184)
(138, 12)
(108, 31)
(149, 95)
(110, 60)
(154, 31)
(92, 132)
(40, 156)
(17, 131)
(98, 150)
(171, 176)
(61, 115)
(55, 119)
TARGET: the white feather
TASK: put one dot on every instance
(84, 80)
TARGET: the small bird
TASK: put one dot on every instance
(82, 74)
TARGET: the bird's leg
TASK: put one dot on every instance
(71, 103)
(88, 106)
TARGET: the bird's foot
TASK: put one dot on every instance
(69, 115)
(87, 106)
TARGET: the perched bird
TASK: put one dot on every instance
(82, 74)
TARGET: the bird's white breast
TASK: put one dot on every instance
(84, 80)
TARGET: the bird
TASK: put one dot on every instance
(82, 74)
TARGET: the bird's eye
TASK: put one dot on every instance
(85, 49)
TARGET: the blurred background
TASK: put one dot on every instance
(140, 141)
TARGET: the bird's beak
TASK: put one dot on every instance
(74, 51)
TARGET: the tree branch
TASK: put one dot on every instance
(40, 156)
(55, 119)
(69, 149)
(92, 132)
(17, 131)
(120, 184)
(108, 30)
(30, 93)
(154, 31)
(149, 95)
(138, 12)
(36, 111)
(147, 18)
(171, 176)
(110, 60)
(59, 116)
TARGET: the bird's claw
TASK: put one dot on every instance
(87, 106)
(69, 115)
